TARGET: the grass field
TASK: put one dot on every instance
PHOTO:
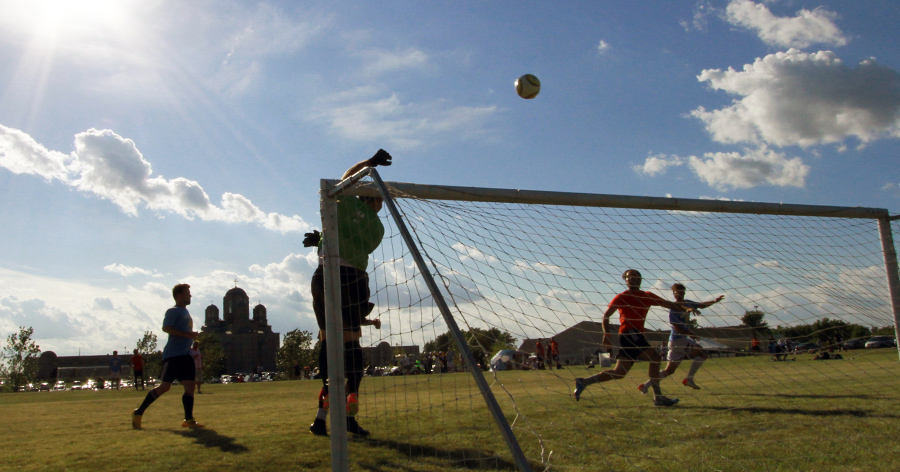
(752, 415)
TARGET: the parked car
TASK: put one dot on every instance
(59, 386)
(806, 347)
(225, 379)
(881, 341)
(44, 387)
(858, 343)
(76, 385)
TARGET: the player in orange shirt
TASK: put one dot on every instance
(632, 305)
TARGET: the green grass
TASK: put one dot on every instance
(752, 415)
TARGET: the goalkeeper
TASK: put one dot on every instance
(360, 233)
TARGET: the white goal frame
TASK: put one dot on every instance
(330, 189)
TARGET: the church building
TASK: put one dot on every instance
(247, 342)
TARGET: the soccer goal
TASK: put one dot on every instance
(468, 281)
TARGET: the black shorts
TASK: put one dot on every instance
(632, 344)
(355, 304)
(178, 368)
(139, 373)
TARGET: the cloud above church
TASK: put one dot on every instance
(111, 167)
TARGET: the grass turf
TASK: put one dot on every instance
(751, 415)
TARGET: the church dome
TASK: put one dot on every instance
(237, 306)
(236, 292)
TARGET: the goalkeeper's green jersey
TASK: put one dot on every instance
(360, 231)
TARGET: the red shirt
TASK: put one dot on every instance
(540, 349)
(554, 348)
(633, 308)
(137, 362)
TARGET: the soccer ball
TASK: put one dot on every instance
(528, 86)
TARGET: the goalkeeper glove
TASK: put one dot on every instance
(381, 158)
(312, 239)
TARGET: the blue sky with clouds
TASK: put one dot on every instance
(154, 142)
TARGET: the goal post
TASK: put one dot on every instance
(467, 274)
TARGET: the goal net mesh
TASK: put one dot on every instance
(517, 274)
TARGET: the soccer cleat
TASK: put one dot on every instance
(644, 387)
(136, 420)
(664, 401)
(355, 428)
(191, 423)
(352, 404)
(318, 427)
(579, 387)
(690, 383)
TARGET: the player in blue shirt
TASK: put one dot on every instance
(682, 341)
(177, 363)
(115, 369)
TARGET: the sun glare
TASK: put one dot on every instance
(72, 20)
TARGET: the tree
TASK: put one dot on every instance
(755, 319)
(213, 355)
(20, 358)
(296, 349)
(152, 358)
(486, 341)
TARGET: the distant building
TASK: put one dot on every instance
(68, 368)
(247, 342)
(578, 343)
(383, 354)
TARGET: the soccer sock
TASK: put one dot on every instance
(589, 380)
(663, 374)
(188, 402)
(150, 398)
(655, 386)
(695, 366)
(352, 404)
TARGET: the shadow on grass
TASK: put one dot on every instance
(211, 439)
(796, 411)
(447, 458)
(789, 395)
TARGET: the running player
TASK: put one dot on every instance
(177, 361)
(632, 305)
(683, 341)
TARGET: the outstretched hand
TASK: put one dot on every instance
(312, 239)
(381, 158)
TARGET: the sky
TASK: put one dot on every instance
(147, 143)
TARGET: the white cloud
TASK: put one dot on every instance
(657, 165)
(127, 271)
(760, 166)
(359, 114)
(520, 267)
(805, 29)
(467, 252)
(20, 154)
(380, 62)
(698, 22)
(603, 47)
(797, 98)
(111, 167)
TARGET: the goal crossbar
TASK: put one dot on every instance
(499, 195)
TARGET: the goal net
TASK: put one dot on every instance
(788, 377)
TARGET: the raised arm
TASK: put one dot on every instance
(381, 158)
(711, 302)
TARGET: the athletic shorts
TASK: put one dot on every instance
(679, 348)
(632, 344)
(355, 304)
(139, 373)
(178, 368)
